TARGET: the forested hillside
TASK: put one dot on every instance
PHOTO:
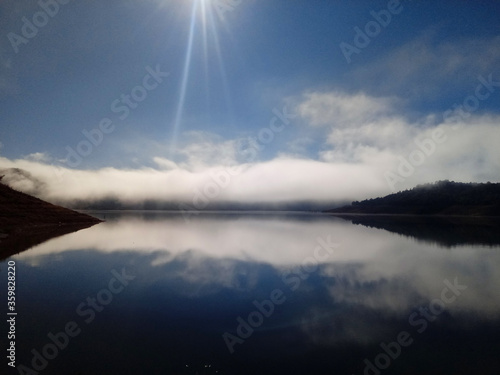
(439, 198)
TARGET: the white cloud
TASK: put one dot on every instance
(278, 180)
(350, 165)
(39, 157)
(378, 136)
(342, 110)
(165, 164)
(422, 69)
(203, 150)
(298, 147)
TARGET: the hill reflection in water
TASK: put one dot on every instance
(445, 231)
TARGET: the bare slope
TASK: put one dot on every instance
(26, 221)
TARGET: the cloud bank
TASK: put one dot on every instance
(366, 145)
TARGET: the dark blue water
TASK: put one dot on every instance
(254, 294)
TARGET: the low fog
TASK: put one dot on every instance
(367, 150)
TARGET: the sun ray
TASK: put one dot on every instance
(185, 80)
(203, 9)
(202, 22)
(220, 61)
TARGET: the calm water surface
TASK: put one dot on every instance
(255, 294)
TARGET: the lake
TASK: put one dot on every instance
(232, 293)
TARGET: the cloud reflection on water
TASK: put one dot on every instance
(373, 273)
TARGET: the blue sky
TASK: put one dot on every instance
(232, 66)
